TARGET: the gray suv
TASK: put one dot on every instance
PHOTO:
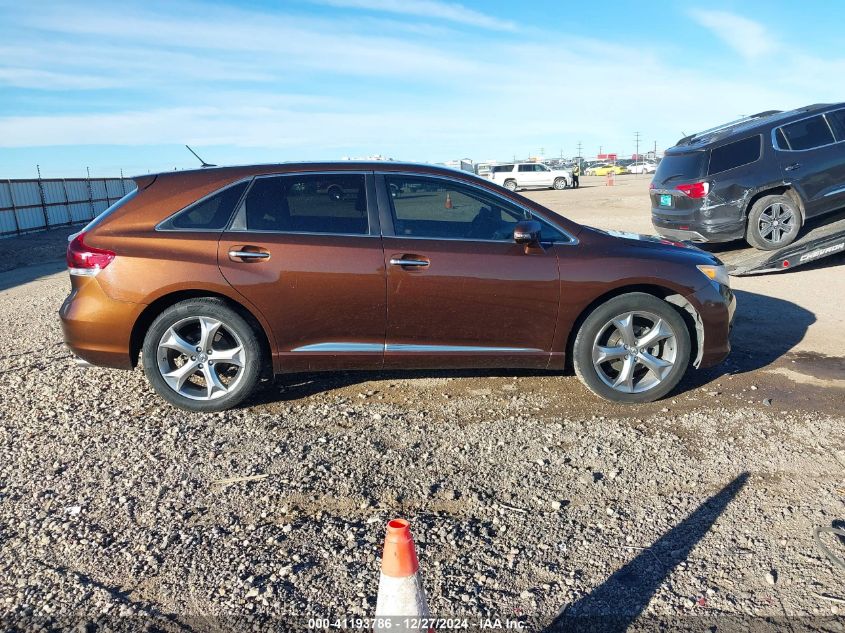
(759, 178)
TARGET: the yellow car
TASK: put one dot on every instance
(604, 170)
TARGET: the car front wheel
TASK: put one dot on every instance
(560, 183)
(633, 348)
(201, 355)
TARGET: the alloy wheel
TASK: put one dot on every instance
(777, 223)
(634, 352)
(201, 358)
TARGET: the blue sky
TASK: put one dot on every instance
(122, 85)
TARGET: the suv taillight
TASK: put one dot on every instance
(86, 260)
(695, 189)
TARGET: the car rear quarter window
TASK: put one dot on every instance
(313, 203)
(210, 214)
(501, 168)
(436, 208)
(808, 133)
(681, 166)
(735, 154)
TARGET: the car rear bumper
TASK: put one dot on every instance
(695, 231)
(97, 328)
(716, 307)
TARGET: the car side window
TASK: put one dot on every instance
(526, 168)
(734, 154)
(807, 134)
(837, 122)
(312, 203)
(211, 214)
(434, 208)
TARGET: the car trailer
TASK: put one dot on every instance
(825, 236)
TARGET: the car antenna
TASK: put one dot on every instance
(204, 164)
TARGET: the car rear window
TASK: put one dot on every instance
(498, 168)
(807, 134)
(679, 166)
(209, 214)
(314, 203)
(735, 154)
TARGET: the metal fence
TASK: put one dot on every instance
(35, 205)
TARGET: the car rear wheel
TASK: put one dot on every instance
(633, 348)
(510, 185)
(560, 183)
(774, 222)
(201, 355)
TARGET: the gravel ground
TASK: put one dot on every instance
(528, 498)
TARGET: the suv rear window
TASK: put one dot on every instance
(211, 214)
(734, 154)
(676, 166)
(498, 168)
(807, 134)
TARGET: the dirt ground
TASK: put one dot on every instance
(530, 500)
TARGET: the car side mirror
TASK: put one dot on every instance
(527, 232)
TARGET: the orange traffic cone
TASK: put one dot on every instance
(448, 204)
(611, 179)
(400, 589)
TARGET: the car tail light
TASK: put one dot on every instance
(86, 260)
(695, 189)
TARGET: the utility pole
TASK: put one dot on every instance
(580, 156)
(637, 144)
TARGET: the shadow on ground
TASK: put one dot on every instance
(765, 329)
(618, 601)
(20, 276)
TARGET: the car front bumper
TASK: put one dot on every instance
(716, 307)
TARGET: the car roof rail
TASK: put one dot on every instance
(760, 115)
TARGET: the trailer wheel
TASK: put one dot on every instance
(773, 222)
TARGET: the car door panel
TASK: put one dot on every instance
(818, 173)
(477, 304)
(464, 302)
(323, 294)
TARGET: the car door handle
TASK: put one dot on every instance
(792, 167)
(236, 254)
(398, 261)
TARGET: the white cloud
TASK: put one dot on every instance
(748, 38)
(430, 9)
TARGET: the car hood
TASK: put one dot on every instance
(654, 242)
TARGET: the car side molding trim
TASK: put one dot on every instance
(401, 347)
(341, 347)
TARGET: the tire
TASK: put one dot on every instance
(773, 213)
(668, 357)
(510, 185)
(171, 344)
(560, 183)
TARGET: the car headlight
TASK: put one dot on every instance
(716, 273)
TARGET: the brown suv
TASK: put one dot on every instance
(216, 277)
